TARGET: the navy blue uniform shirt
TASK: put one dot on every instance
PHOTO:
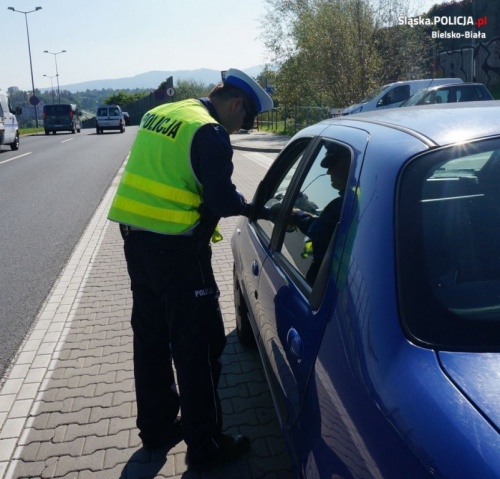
(211, 159)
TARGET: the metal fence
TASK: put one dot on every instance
(289, 120)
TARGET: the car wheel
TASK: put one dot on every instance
(78, 131)
(15, 144)
(73, 131)
(54, 132)
(122, 129)
(243, 327)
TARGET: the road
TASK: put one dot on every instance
(49, 190)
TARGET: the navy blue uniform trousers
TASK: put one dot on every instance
(175, 316)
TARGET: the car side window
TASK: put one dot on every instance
(396, 95)
(316, 210)
(306, 206)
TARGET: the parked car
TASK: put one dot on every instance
(449, 94)
(126, 117)
(109, 117)
(393, 94)
(384, 363)
(61, 117)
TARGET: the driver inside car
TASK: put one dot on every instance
(320, 228)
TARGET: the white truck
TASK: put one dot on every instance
(9, 130)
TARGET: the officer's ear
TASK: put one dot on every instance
(237, 104)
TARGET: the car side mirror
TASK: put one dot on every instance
(19, 111)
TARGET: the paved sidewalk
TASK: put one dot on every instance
(259, 141)
(67, 406)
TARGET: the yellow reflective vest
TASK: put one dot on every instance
(158, 190)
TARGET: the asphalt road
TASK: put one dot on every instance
(49, 190)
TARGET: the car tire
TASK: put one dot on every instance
(73, 131)
(122, 129)
(15, 144)
(243, 326)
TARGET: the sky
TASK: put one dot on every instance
(107, 39)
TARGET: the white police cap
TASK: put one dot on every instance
(261, 100)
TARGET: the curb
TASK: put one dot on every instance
(256, 148)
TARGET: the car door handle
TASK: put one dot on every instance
(294, 343)
(255, 268)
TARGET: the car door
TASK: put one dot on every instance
(293, 306)
(255, 239)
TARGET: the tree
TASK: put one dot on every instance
(333, 52)
(324, 49)
(405, 51)
(190, 89)
(121, 98)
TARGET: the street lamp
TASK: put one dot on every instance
(52, 85)
(57, 73)
(33, 102)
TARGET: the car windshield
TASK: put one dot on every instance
(414, 99)
(449, 247)
(374, 94)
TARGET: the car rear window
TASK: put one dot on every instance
(448, 247)
(57, 109)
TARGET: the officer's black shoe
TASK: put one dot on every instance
(168, 440)
(229, 449)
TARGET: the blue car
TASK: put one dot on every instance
(372, 292)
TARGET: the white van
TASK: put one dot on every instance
(393, 94)
(9, 131)
(109, 117)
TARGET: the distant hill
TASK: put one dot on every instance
(154, 78)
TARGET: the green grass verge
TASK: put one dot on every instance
(30, 131)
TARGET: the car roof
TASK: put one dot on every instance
(436, 125)
(455, 85)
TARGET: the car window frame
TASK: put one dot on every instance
(275, 174)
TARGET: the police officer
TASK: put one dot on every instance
(175, 188)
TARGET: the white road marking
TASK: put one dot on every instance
(15, 157)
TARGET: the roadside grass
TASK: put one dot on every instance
(30, 131)
(274, 127)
